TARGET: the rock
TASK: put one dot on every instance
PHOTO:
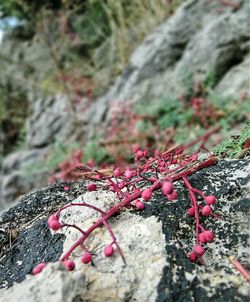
(17, 174)
(200, 38)
(155, 243)
(234, 84)
(50, 122)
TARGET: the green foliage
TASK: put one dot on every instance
(94, 151)
(233, 146)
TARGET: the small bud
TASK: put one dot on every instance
(210, 199)
(128, 173)
(140, 154)
(199, 250)
(117, 172)
(202, 238)
(209, 235)
(191, 211)
(70, 265)
(86, 258)
(139, 205)
(192, 256)
(54, 225)
(91, 187)
(121, 184)
(172, 196)
(37, 269)
(109, 251)
(206, 210)
(146, 194)
(167, 188)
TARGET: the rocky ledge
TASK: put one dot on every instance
(155, 243)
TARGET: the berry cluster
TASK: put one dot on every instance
(159, 171)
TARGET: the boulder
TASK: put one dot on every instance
(155, 243)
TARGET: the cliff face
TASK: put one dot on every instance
(200, 39)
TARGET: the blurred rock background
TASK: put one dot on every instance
(99, 76)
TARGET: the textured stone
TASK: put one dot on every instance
(200, 38)
(155, 243)
(18, 176)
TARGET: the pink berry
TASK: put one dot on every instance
(109, 251)
(191, 211)
(52, 217)
(135, 148)
(66, 188)
(140, 205)
(70, 265)
(117, 172)
(210, 199)
(156, 153)
(202, 238)
(209, 235)
(121, 184)
(140, 154)
(192, 256)
(147, 194)
(37, 269)
(128, 173)
(194, 157)
(206, 210)
(91, 187)
(199, 250)
(172, 196)
(86, 258)
(167, 188)
(54, 225)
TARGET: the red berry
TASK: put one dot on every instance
(66, 188)
(139, 205)
(140, 154)
(117, 172)
(121, 184)
(192, 256)
(202, 238)
(91, 187)
(128, 173)
(209, 235)
(86, 258)
(199, 250)
(52, 217)
(146, 194)
(70, 265)
(109, 251)
(206, 210)
(191, 211)
(37, 269)
(210, 199)
(167, 188)
(54, 225)
(172, 196)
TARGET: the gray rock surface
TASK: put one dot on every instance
(200, 38)
(155, 243)
(18, 177)
(50, 122)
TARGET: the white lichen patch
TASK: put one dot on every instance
(142, 244)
